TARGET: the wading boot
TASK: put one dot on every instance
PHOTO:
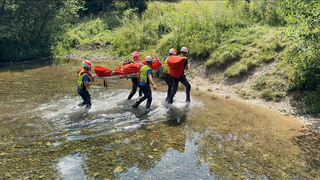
(82, 104)
(88, 107)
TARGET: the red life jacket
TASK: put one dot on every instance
(83, 72)
(155, 65)
(176, 64)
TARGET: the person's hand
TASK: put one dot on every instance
(154, 87)
(93, 78)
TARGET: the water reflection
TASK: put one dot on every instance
(175, 115)
(73, 167)
(43, 135)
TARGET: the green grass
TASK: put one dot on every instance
(247, 48)
(200, 26)
(271, 87)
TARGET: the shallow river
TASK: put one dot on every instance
(43, 135)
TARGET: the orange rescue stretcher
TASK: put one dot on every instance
(127, 70)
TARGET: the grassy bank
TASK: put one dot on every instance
(233, 36)
(200, 26)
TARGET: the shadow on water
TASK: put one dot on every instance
(44, 136)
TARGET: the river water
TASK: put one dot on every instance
(44, 135)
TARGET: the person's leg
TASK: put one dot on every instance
(89, 98)
(185, 82)
(169, 80)
(148, 94)
(170, 84)
(174, 90)
(89, 101)
(144, 91)
(140, 91)
(134, 87)
(84, 95)
(86, 98)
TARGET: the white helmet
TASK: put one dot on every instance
(86, 64)
(172, 51)
(184, 49)
(149, 59)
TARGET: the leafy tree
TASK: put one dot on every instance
(29, 27)
(96, 6)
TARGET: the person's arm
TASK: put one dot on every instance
(138, 76)
(186, 67)
(151, 81)
(86, 81)
(94, 77)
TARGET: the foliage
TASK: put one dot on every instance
(98, 6)
(89, 35)
(225, 54)
(244, 49)
(199, 27)
(304, 17)
(135, 34)
(28, 28)
(271, 86)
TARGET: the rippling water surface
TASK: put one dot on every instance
(44, 135)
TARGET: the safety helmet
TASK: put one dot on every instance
(173, 51)
(135, 54)
(86, 64)
(184, 49)
(149, 59)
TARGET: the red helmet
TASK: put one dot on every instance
(86, 64)
(135, 54)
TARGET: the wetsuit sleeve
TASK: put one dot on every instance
(185, 63)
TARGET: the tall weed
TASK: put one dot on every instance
(185, 24)
(88, 32)
(201, 26)
(135, 34)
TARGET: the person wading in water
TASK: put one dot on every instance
(166, 72)
(182, 78)
(145, 76)
(85, 80)
(135, 80)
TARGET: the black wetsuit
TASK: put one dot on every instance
(135, 85)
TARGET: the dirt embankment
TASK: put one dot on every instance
(199, 78)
